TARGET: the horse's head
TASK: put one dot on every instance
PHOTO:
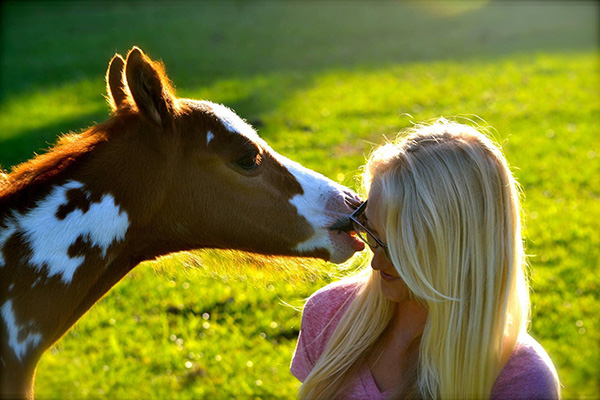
(218, 184)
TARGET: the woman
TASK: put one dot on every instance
(443, 311)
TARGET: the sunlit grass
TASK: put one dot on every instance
(213, 324)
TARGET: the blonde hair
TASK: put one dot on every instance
(451, 213)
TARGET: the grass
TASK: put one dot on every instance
(324, 82)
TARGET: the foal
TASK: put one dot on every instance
(162, 174)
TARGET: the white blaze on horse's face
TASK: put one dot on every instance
(322, 202)
(233, 123)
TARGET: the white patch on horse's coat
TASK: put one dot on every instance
(314, 206)
(11, 287)
(19, 347)
(50, 237)
(4, 235)
(209, 136)
(34, 284)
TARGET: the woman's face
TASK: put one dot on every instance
(392, 286)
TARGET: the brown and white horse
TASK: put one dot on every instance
(163, 174)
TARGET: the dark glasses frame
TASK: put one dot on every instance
(364, 233)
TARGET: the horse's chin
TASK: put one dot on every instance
(344, 246)
(331, 245)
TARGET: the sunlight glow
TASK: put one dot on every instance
(448, 8)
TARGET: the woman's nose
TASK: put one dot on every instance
(379, 260)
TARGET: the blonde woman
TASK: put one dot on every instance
(443, 311)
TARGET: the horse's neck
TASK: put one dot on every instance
(73, 222)
(57, 259)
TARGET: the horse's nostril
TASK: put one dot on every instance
(342, 224)
(352, 200)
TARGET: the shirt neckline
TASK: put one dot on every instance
(369, 382)
(370, 386)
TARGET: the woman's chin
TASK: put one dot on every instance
(394, 289)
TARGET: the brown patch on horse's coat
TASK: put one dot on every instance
(76, 199)
(81, 247)
(16, 251)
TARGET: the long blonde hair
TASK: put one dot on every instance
(451, 214)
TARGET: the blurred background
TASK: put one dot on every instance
(323, 82)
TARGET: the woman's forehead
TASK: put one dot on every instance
(372, 212)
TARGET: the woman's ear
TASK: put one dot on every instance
(149, 87)
(115, 87)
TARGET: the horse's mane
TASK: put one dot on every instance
(3, 180)
(32, 179)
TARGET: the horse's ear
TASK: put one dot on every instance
(149, 87)
(115, 87)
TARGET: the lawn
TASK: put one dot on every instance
(324, 82)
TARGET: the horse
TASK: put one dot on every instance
(162, 174)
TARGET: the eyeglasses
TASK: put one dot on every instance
(359, 222)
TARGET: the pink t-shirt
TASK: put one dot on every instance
(528, 374)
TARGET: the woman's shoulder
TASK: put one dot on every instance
(333, 296)
(528, 374)
(327, 305)
(321, 315)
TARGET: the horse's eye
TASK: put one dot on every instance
(250, 161)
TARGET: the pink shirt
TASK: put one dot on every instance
(528, 374)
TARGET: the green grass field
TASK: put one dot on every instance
(324, 82)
